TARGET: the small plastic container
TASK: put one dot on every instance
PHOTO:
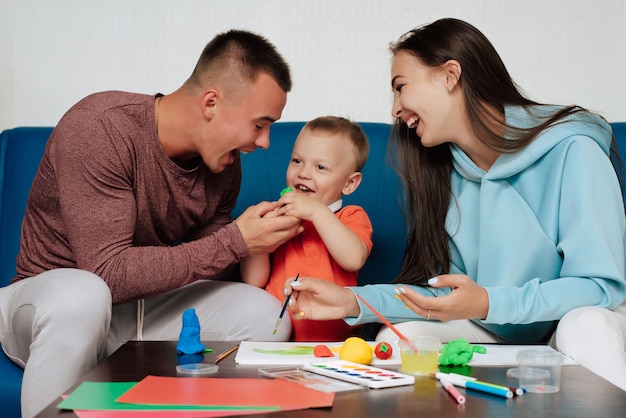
(540, 370)
(197, 369)
(420, 356)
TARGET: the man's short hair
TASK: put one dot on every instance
(239, 54)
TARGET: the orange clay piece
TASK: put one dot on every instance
(322, 350)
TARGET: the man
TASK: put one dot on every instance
(130, 212)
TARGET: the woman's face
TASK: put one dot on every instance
(421, 99)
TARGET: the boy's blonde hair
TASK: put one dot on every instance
(343, 126)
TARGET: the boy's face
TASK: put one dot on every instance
(321, 165)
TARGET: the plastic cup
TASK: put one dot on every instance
(540, 370)
(420, 355)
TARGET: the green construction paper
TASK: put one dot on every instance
(101, 396)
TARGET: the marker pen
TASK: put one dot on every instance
(460, 399)
(516, 391)
(477, 385)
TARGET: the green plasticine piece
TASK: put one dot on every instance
(459, 352)
(480, 349)
(285, 190)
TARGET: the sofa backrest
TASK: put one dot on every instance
(619, 132)
(20, 152)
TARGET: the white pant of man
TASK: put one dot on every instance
(60, 324)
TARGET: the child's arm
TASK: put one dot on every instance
(344, 246)
(255, 270)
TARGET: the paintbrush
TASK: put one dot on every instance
(282, 312)
(385, 321)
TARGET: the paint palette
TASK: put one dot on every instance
(296, 374)
(360, 374)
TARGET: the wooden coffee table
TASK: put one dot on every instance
(583, 394)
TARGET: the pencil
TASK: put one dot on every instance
(282, 312)
(225, 354)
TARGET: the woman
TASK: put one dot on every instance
(515, 214)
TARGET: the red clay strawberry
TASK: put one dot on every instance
(322, 350)
(383, 350)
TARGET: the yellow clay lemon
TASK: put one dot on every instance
(357, 350)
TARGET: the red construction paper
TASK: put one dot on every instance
(200, 391)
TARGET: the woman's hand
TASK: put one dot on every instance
(467, 300)
(321, 300)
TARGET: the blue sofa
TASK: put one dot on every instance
(263, 179)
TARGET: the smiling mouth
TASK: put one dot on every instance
(244, 151)
(303, 188)
(412, 122)
(232, 156)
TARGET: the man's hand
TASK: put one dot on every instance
(263, 234)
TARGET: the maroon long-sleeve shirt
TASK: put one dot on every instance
(107, 199)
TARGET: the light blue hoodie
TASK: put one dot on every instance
(548, 223)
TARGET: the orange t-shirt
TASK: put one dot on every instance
(307, 255)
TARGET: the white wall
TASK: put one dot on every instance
(54, 52)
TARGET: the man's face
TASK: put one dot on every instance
(242, 122)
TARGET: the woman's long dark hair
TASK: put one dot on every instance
(425, 172)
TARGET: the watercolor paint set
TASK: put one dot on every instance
(372, 377)
(297, 374)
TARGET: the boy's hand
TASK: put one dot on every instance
(300, 205)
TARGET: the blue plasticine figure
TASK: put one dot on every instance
(459, 352)
(189, 340)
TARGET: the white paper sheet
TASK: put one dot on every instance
(253, 352)
(295, 353)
